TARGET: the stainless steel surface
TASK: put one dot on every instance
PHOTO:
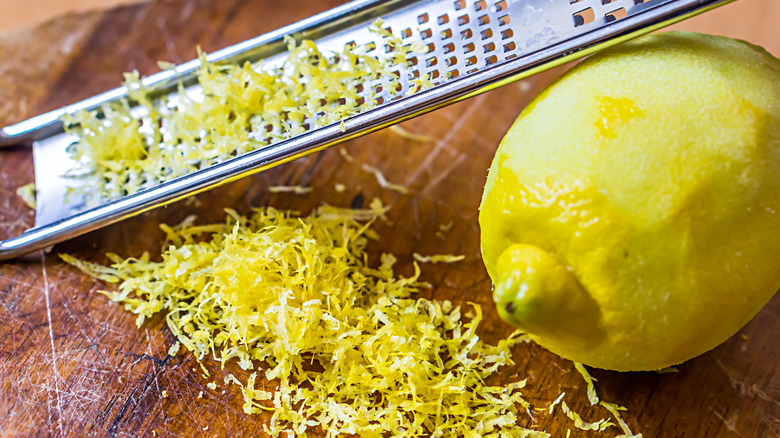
(44, 125)
(473, 45)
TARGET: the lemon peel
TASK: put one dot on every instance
(658, 213)
(348, 345)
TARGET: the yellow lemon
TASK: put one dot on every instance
(631, 216)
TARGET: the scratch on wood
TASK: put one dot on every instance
(154, 364)
(745, 387)
(730, 423)
(170, 42)
(186, 12)
(92, 340)
(444, 174)
(180, 398)
(55, 374)
(444, 142)
(15, 281)
(131, 403)
(140, 357)
(227, 408)
(154, 368)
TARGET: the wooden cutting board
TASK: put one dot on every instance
(74, 364)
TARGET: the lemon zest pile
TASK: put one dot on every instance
(326, 339)
(439, 258)
(242, 107)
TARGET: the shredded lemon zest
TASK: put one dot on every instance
(615, 409)
(298, 190)
(174, 350)
(241, 108)
(551, 408)
(592, 397)
(406, 135)
(439, 258)
(27, 193)
(193, 201)
(668, 370)
(339, 344)
(444, 229)
(581, 424)
(101, 272)
(377, 208)
(165, 65)
(382, 180)
(345, 155)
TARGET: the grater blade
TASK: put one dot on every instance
(472, 46)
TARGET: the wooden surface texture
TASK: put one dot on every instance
(72, 363)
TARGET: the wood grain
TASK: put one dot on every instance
(74, 364)
(18, 14)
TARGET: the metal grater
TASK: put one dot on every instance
(473, 46)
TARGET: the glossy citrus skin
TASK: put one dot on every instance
(631, 216)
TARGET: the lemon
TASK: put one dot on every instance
(631, 216)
